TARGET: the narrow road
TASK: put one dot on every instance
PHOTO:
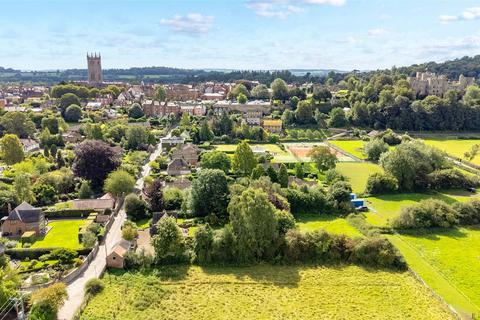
(75, 289)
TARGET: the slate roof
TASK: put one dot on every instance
(25, 213)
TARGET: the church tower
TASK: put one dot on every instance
(94, 68)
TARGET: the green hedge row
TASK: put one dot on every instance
(35, 253)
(67, 213)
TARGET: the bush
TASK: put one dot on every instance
(45, 302)
(203, 244)
(173, 198)
(381, 183)
(73, 113)
(307, 200)
(451, 179)
(468, 213)
(135, 207)
(391, 138)
(377, 252)
(373, 149)
(94, 286)
(135, 260)
(67, 213)
(285, 221)
(169, 243)
(333, 175)
(339, 196)
(426, 214)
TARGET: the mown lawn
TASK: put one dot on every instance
(449, 261)
(279, 155)
(358, 173)
(454, 147)
(64, 233)
(354, 147)
(384, 208)
(263, 292)
(330, 223)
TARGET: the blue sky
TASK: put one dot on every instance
(238, 34)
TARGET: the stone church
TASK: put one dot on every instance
(94, 68)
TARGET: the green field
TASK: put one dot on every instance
(384, 208)
(449, 262)
(279, 155)
(354, 147)
(263, 292)
(330, 223)
(358, 173)
(454, 147)
(64, 233)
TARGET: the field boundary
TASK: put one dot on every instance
(348, 154)
(458, 314)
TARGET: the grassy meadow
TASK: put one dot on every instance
(263, 292)
(384, 208)
(448, 260)
(330, 223)
(455, 147)
(358, 173)
(354, 147)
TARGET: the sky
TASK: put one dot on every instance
(237, 34)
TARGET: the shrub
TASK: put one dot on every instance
(378, 252)
(129, 231)
(169, 243)
(135, 207)
(426, 214)
(451, 179)
(333, 175)
(203, 244)
(94, 286)
(173, 198)
(88, 239)
(285, 221)
(339, 196)
(306, 200)
(468, 213)
(135, 260)
(391, 138)
(381, 183)
(45, 302)
(373, 149)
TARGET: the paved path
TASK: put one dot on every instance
(75, 289)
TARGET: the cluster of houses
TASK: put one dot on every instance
(13, 95)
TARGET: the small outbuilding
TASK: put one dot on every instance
(116, 258)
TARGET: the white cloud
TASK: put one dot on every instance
(377, 32)
(284, 8)
(468, 14)
(192, 23)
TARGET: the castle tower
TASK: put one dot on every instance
(94, 68)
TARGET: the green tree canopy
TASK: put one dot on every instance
(243, 160)
(160, 93)
(17, 123)
(135, 111)
(323, 158)
(67, 100)
(254, 225)
(73, 113)
(119, 183)
(216, 160)
(209, 194)
(11, 149)
(261, 92)
(279, 90)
